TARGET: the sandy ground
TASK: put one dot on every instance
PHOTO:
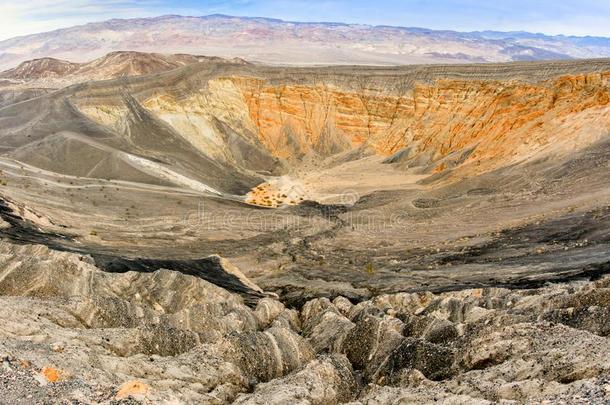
(339, 184)
(346, 183)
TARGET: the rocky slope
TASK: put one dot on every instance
(477, 122)
(243, 121)
(71, 332)
(276, 41)
(428, 118)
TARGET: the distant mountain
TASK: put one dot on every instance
(283, 42)
(51, 72)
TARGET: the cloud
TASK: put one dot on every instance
(26, 17)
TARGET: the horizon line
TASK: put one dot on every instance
(306, 23)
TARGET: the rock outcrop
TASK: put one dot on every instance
(72, 332)
(454, 122)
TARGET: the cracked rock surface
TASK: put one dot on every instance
(71, 332)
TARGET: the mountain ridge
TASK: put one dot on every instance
(52, 72)
(294, 43)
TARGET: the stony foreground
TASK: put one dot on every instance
(70, 333)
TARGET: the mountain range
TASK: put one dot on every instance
(282, 42)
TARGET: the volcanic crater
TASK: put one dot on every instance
(223, 231)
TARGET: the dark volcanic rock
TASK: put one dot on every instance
(368, 344)
(435, 361)
(214, 269)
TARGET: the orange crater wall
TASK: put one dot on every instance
(440, 118)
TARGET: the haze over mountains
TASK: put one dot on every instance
(277, 41)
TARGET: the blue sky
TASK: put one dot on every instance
(582, 17)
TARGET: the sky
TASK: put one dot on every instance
(569, 17)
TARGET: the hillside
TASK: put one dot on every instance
(50, 72)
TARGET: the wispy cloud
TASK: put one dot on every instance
(26, 17)
(19, 18)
